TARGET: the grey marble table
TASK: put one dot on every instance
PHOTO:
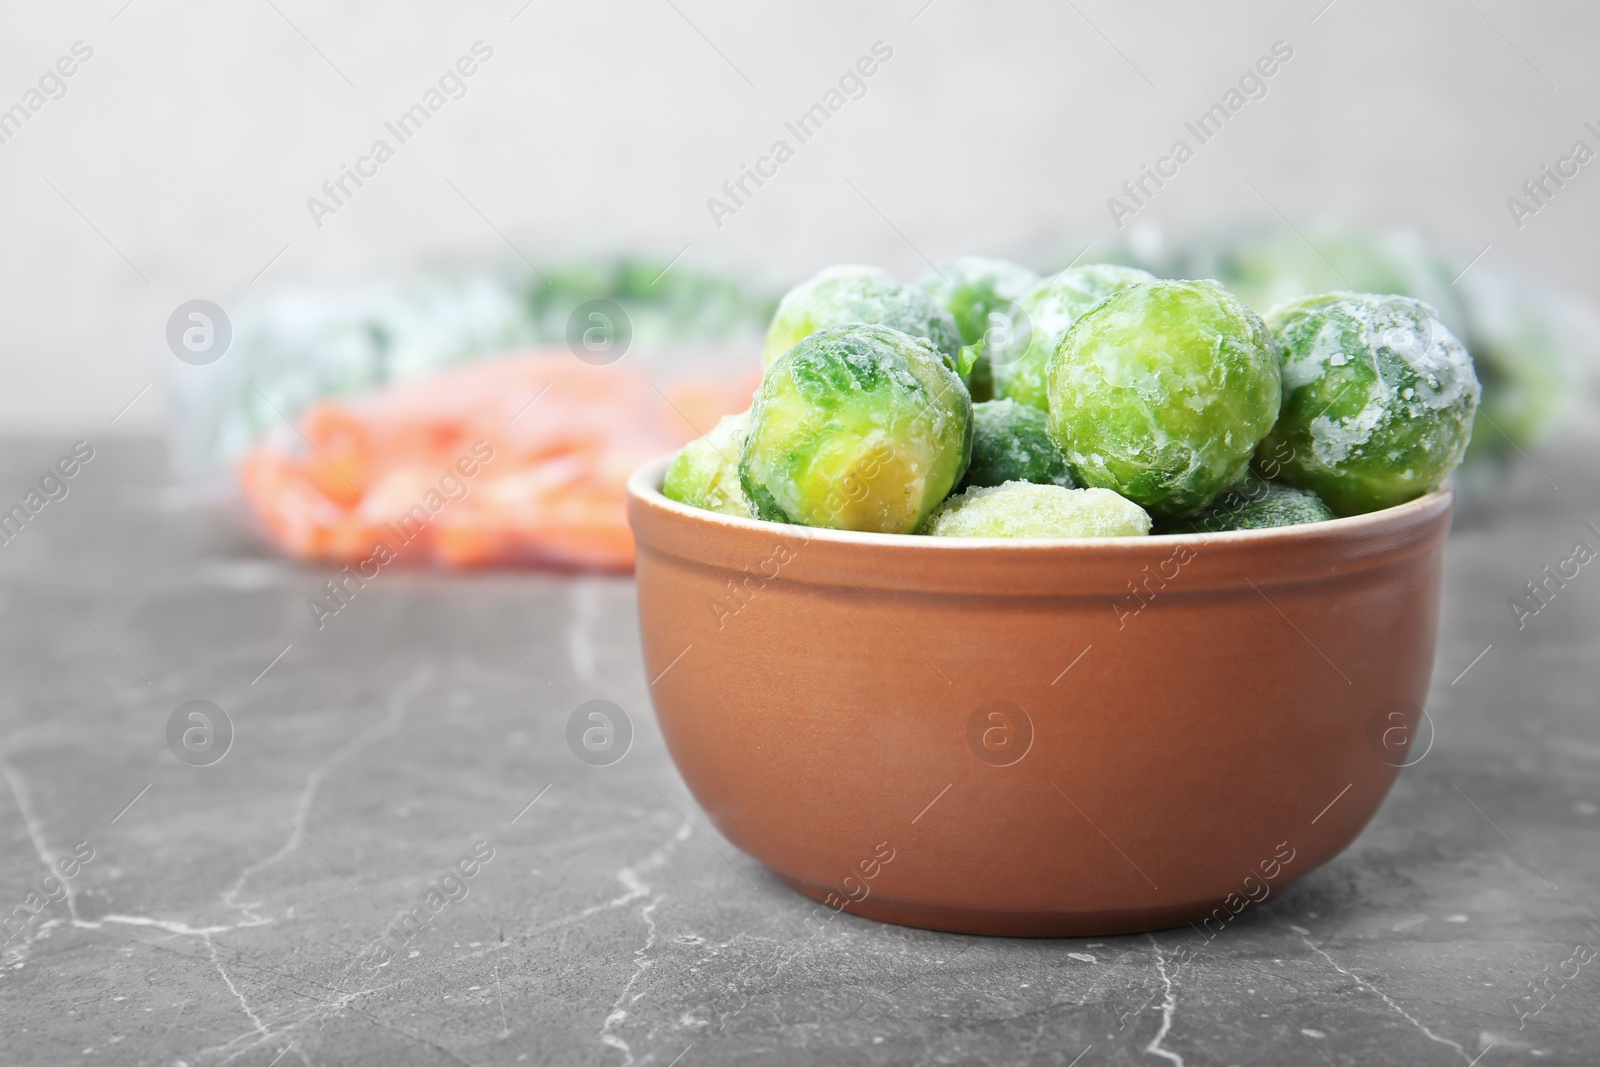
(238, 912)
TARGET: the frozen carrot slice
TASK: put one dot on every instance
(516, 460)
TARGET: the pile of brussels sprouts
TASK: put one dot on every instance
(1101, 401)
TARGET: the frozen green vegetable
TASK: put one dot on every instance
(1379, 398)
(1253, 504)
(1011, 442)
(981, 294)
(705, 473)
(1023, 509)
(1522, 335)
(841, 295)
(1049, 310)
(857, 427)
(1162, 392)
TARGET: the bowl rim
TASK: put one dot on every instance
(644, 485)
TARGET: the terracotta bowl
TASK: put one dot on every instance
(1039, 737)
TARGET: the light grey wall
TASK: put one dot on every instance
(184, 150)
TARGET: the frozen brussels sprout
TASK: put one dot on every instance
(981, 295)
(841, 295)
(1378, 402)
(1162, 392)
(1011, 442)
(1023, 509)
(1050, 308)
(1253, 504)
(705, 473)
(857, 428)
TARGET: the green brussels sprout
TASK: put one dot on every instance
(841, 295)
(973, 289)
(1023, 509)
(705, 473)
(1379, 398)
(857, 427)
(1162, 392)
(1011, 442)
(1049, 310)
(1253, 504)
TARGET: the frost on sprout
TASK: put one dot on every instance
(1326, 350)
(1416, 364)
(1332, 440)
(851, 294)
(1024, 509)
(1382, 391)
